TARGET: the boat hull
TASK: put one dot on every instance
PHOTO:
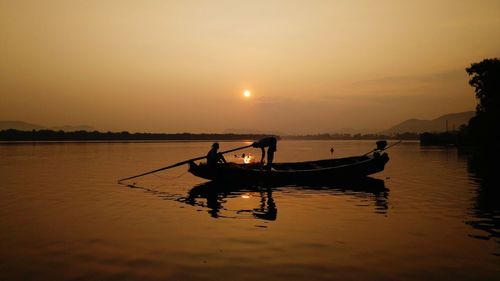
(329, 170)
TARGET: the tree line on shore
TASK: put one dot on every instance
(51, 135)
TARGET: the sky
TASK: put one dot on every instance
(183, 66)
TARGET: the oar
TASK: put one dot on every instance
(180, 163)
(385, 148)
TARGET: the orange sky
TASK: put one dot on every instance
(176, 66)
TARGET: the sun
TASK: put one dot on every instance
(247, 94)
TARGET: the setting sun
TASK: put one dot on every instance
(247, 94)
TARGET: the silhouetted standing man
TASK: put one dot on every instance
(270, 143)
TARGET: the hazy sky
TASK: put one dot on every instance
(177, 66)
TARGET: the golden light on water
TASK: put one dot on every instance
(245, 196)
(247, 94)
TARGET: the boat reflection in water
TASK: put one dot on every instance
(218, 196)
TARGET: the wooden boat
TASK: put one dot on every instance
(330, 170)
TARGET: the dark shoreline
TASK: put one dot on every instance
(16, 136)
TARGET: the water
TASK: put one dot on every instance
(63, 216)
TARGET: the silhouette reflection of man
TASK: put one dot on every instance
(267, 210)
(270, 143)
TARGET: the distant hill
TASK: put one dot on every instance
(19, 125)
(24, 126)
(435, 125)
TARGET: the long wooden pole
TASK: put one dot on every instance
(180, 163)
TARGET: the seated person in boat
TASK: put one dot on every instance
(214, 157)
(270, 143)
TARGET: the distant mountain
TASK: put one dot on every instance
(24, 126)
(19, 125)
(435, 125)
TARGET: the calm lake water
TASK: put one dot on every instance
(63, 216)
